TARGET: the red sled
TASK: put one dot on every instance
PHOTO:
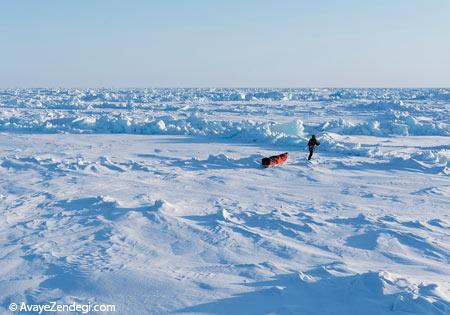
(274, 160)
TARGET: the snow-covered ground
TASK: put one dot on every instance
(155, 201)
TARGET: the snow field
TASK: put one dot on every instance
(155, 201)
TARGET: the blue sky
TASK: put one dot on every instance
(207, 43)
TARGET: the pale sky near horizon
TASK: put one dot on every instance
(205, 43)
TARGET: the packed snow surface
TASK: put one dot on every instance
(154, 200)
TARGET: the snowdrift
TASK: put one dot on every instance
(390, 124)
(244, 130)
(329, 293)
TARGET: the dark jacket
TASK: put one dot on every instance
(313, 142)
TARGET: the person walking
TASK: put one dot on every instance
(312, 143)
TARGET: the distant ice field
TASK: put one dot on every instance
(250, 115)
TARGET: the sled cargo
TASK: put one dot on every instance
(274, 160)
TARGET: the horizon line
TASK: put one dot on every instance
(230, 87)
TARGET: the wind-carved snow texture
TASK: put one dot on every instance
(154, 200)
